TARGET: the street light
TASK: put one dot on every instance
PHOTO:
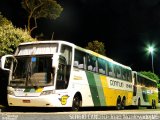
(151, 50)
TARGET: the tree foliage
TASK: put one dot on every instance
(10, 37)
(97, 46)
(41, 9)
(150, 75)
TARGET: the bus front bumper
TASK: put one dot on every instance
(40, 101)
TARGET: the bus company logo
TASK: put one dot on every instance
(63, 99)
(116, 83)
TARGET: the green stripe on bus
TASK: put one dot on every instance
(93, 88)
(100, 89)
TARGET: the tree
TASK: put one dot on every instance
(10, 37)
(150, 75)
(96, 46)
(41, 9)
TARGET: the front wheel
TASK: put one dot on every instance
(76, 103)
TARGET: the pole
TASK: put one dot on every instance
(152, 62)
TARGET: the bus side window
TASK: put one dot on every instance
(135, 79)
(92, 64)
(110, 69)
(101, 66)
(138, 80)
(124, 74)
(66, 51)
(106, 65)
(117, 72)
(80, 60)
(129, 76)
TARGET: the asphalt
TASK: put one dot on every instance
(3, 108)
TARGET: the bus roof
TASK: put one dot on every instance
(77, 47)
(138, 73)
(102, 56)
(46, 41)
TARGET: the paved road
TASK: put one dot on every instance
(96, 114)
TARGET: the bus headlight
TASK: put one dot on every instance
(48, 92)
(10, 92)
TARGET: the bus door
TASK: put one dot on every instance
(64, 67)
(61, 74)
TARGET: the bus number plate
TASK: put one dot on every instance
(26, 101)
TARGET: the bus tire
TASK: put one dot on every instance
(139, 104)
(123, 103)
(118, 105)
(76, 103)
(153, 104)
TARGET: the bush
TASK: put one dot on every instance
(10, 36)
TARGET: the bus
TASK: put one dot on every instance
(145, 91)
(61, 74)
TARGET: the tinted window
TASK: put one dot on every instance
(118, 72)
(80, 59)
(101, 66)
(110, 69)
(92, 63)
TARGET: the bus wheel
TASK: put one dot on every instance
(153, 104)
(139, 104)
(76, 103)
(123, 103)
(118, 106)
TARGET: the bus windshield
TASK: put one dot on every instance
(32, 71)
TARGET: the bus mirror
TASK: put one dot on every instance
(55, 60)
(6, 62)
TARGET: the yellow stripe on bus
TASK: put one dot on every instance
(105, 86)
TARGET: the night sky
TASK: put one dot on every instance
(125, 26)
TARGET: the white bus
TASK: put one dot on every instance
(61, 74)
(145, 91)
